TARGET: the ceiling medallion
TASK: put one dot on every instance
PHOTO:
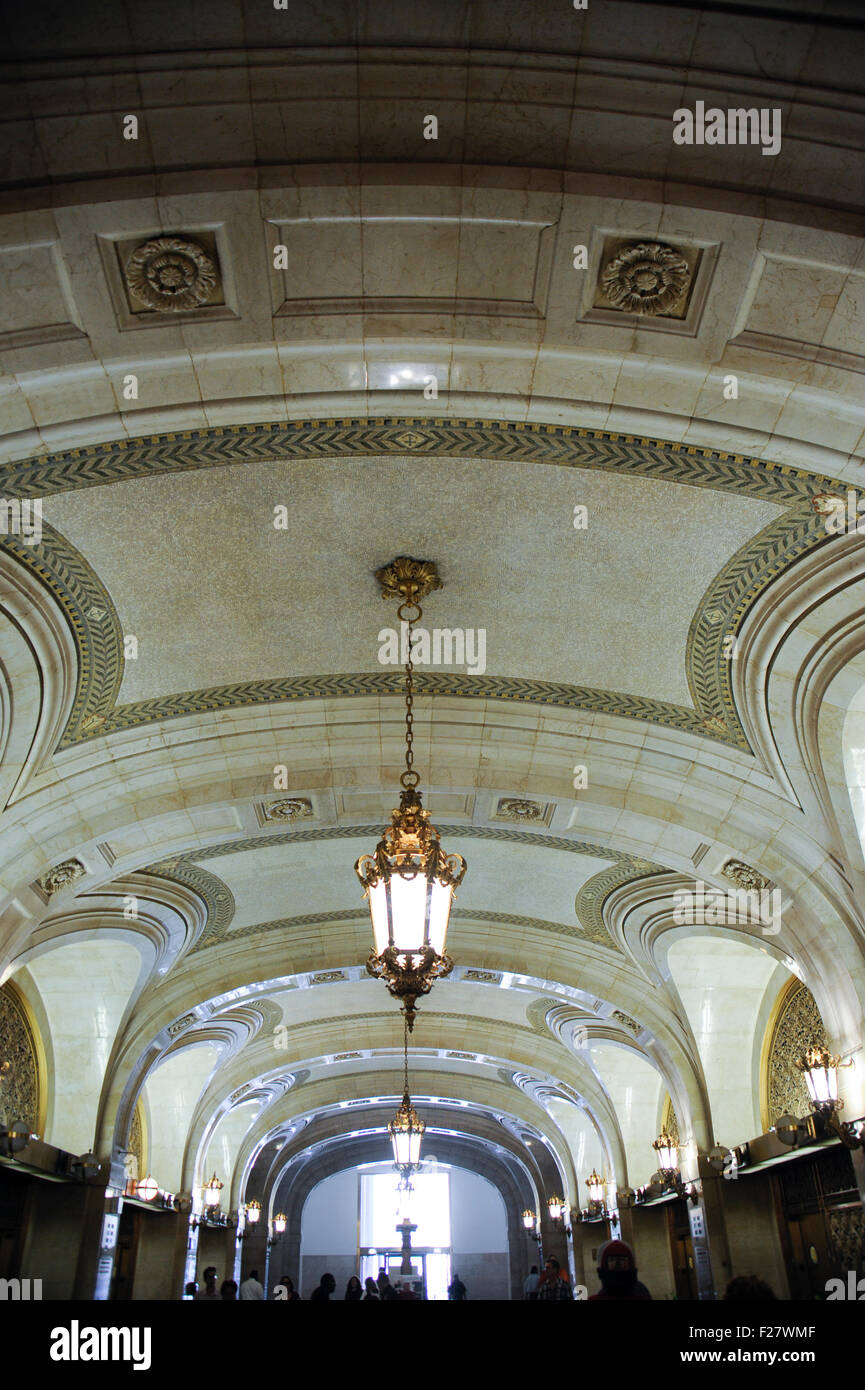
(171, 273)
(514, 808)
(289, 809)
(647, 278)
(409, 881)
(408, 580)
(60, 876)
(745, 876)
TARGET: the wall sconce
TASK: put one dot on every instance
(210, 1192)
(667, 1153)
(556, 1208)
(280, 1221)
(252, 1212)
(528, 1219)
(596, 1187)
(820, 1070)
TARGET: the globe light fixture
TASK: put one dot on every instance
(409, 881)
(789, 1129)
(210, 1192)
(14, 1137)
(147, 1189)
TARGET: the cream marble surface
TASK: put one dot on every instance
(84, 994)
(221, 1150)
(585, 1144)
(721, 984)
(636, 1090)
(613, 609)
(171, 1092)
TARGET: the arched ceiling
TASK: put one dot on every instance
(198, 729)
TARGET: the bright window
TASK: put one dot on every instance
(383, 1207)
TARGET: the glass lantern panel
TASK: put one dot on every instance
(439, 913)
(401, 1147)
(822, 1083)
(408, 910)
(378, 912)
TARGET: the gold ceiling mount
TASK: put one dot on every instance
(408, 579)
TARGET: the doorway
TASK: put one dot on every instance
(682, 1251)
(125, 1255)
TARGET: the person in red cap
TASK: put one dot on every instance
(617, 1271)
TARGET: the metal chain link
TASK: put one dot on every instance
(409, 696)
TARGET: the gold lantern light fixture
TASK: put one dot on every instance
(667, 1154)
(210, 1193)
(409, 881)
(278, 1225)
(406, 1129)
(820, 1070)
(253, 1212)
(596, 1187)
(667, 1151)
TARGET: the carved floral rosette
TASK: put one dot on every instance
(648, 278)
(171, 273)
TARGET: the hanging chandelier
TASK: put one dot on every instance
(406, 1128)
(409, 881)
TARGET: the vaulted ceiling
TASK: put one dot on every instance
(428, 367)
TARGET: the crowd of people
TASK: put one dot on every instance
(617, 1273)
(373, 1290)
